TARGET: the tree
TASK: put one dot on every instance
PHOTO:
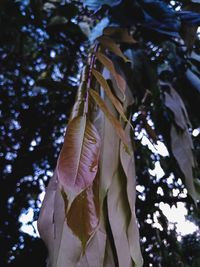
(97, 226)
(36, 58)
(163, 80)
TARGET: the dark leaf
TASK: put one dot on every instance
(191, 18)
(109, 44)
(57, 20)
(95, 4)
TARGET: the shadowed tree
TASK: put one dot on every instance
(141, 82)
(88, 216)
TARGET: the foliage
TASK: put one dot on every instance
(36, 98)
(42, 47)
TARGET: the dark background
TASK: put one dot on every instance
(42, 50)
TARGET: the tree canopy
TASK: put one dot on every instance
(44, 45)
